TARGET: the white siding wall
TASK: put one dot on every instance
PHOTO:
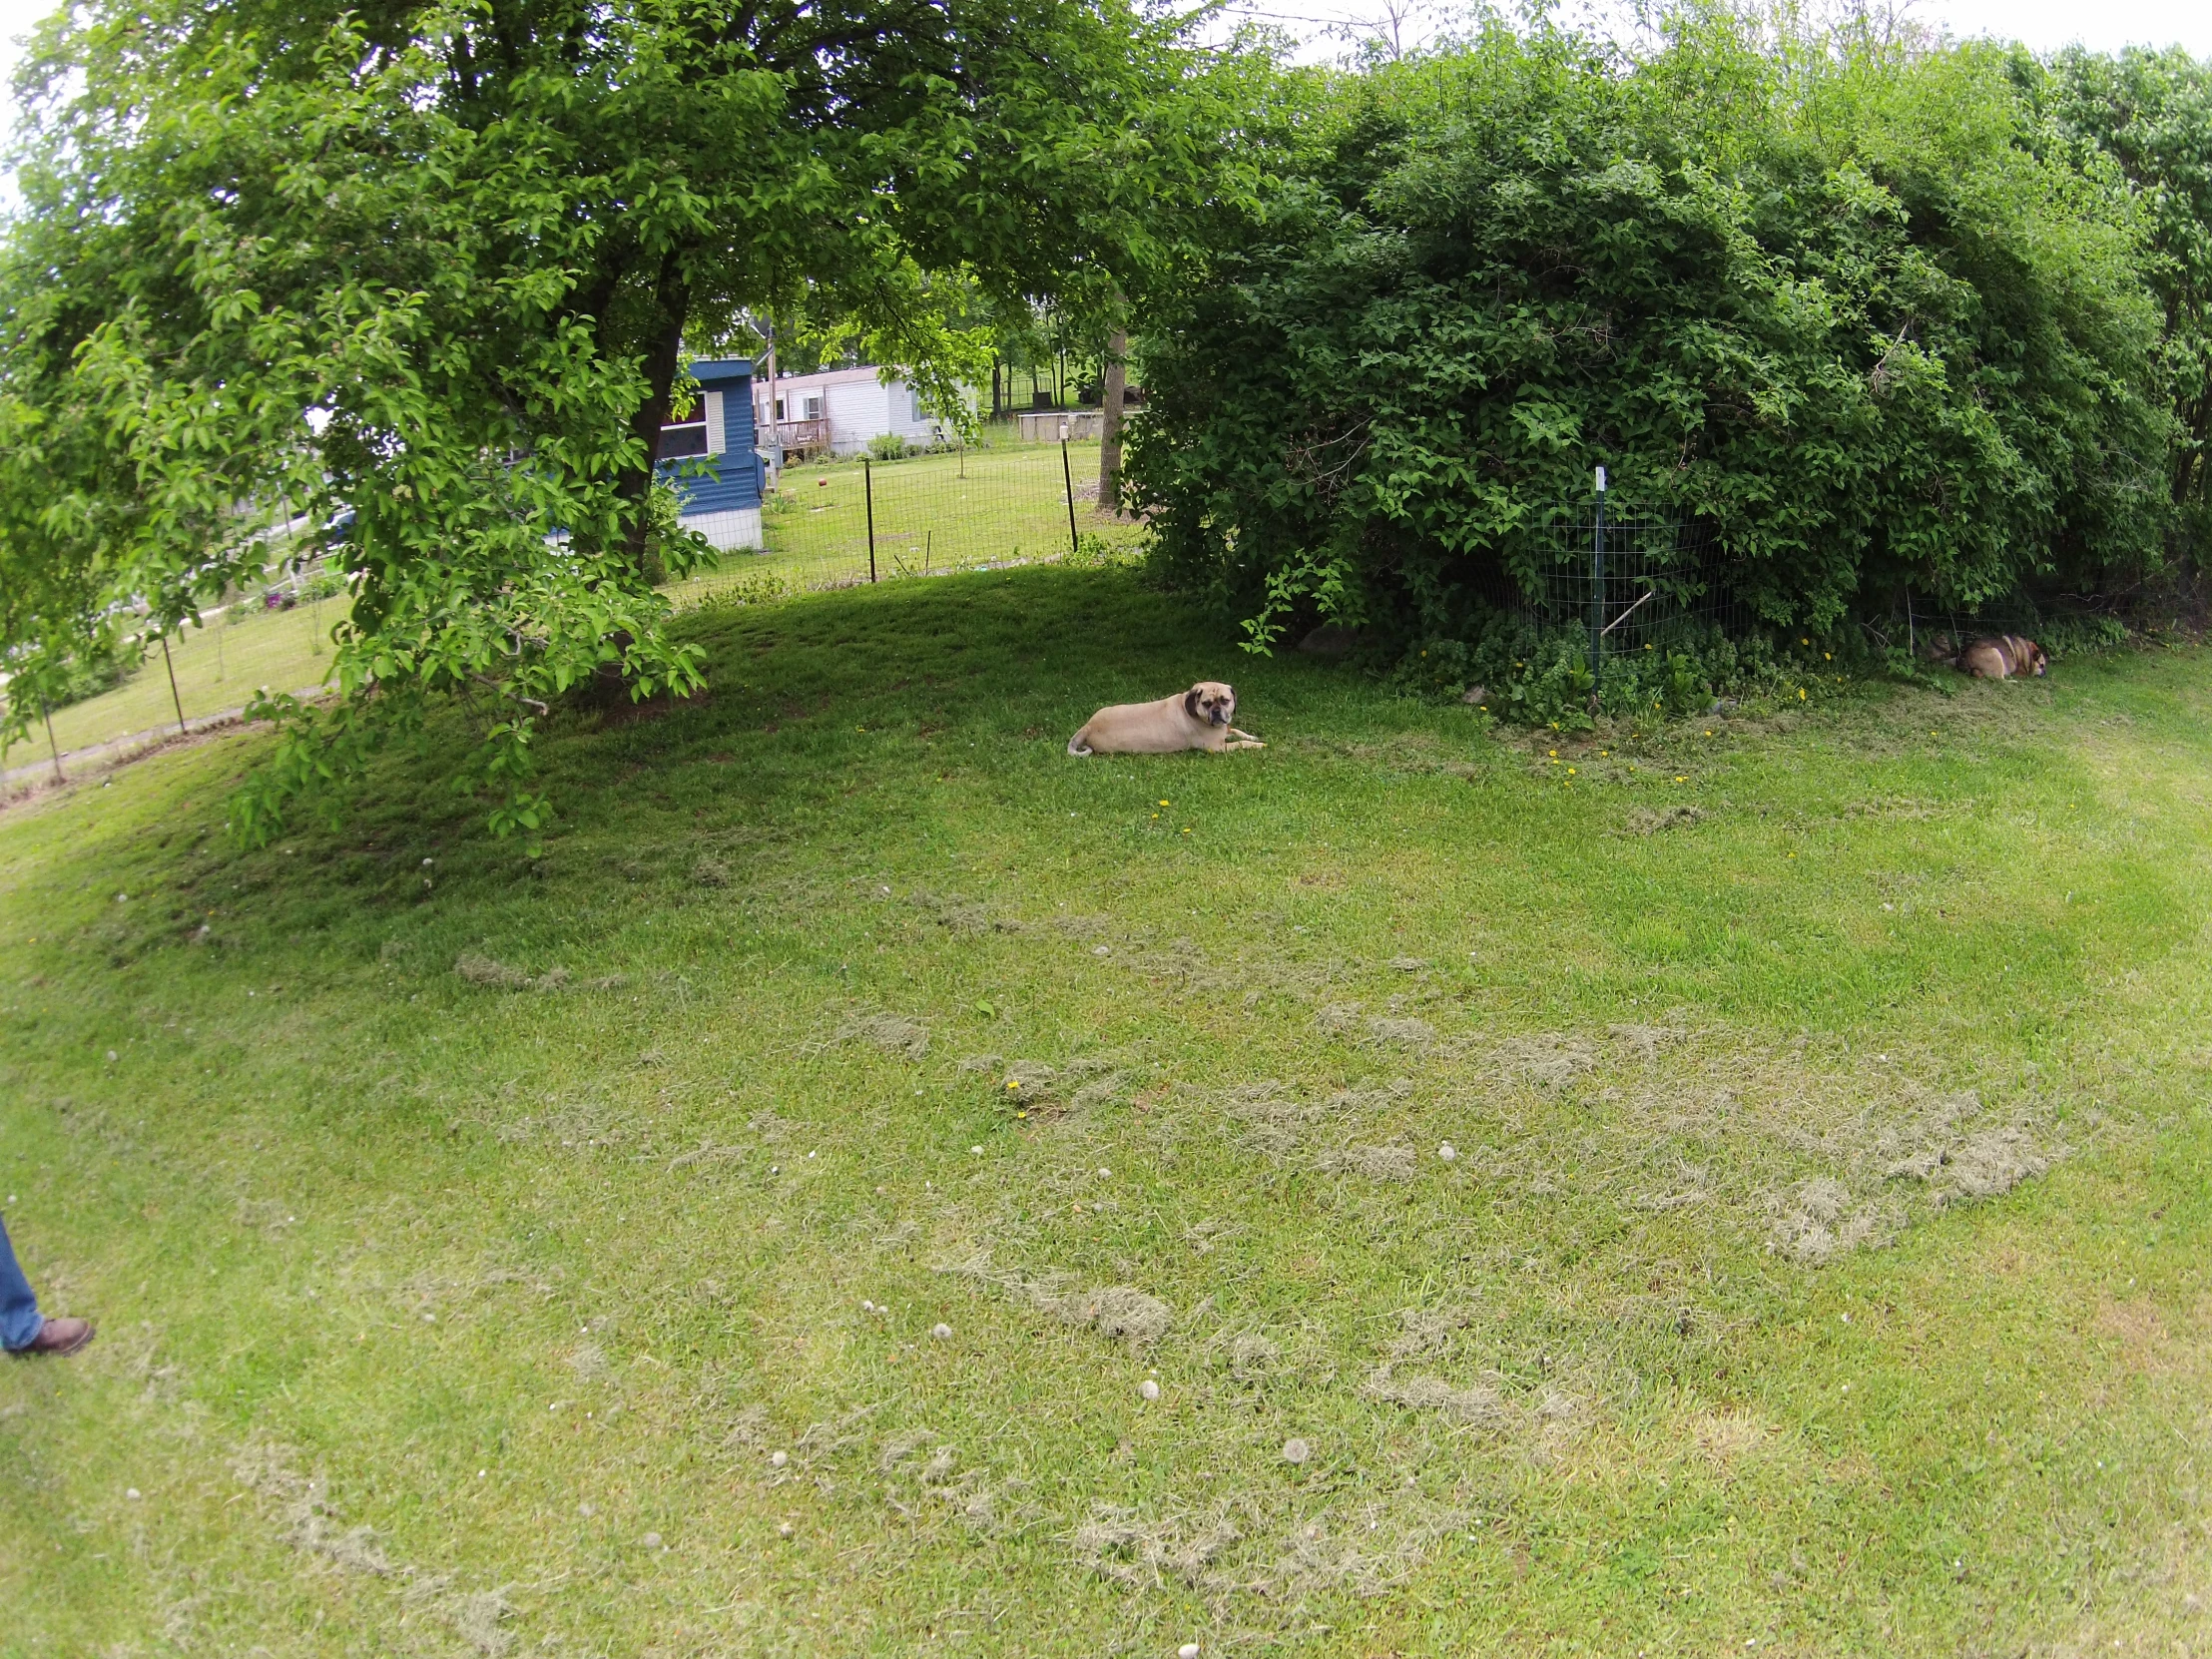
(858, 411)
(900, 402)
(737, 527)
(714, 443)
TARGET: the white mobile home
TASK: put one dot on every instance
(841, 409)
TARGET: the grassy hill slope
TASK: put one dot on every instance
(752, 1228)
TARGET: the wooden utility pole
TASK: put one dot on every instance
(774, 430)
(1109, 424)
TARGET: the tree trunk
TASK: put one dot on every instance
(663, 356)
(1109, 424)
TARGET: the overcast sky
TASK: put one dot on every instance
(2042, 24)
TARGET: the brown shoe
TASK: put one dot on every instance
(60, 1336)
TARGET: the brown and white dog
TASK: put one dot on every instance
(2003, 657)
(1196, 718)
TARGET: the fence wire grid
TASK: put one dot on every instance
(1000, 503)
(836, 523)
(1633, 583)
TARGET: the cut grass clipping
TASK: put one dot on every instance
(881, 1186)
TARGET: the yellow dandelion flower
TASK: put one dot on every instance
(1163, 803)
(1013, 1082)
(1801, 694)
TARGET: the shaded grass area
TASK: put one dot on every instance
(933, 513)
(496, 1257)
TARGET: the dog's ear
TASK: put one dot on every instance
(1190, 703)
(1232, 691)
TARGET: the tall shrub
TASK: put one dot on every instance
(1834, 301)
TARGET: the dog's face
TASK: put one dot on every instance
(2031, 656)
(1211, 700)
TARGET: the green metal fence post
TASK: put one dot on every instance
(868, 486)
(1068, 478)
(1597, 589)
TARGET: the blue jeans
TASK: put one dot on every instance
(20, 1321)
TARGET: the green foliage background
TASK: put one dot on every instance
(1858, 307)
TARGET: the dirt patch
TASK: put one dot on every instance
(311, 1525)
(1394, 1162)
(1548, 1060)
(1477, 1404)
(892, 1033)
(1119, 1312)
(480, 969)
(1253, 1358)
(2145, 1342)
(1414, 1033)
(1651, 820)
(1273, 1122)
(1821, 1220)
(956, 913)
(1721, 1437)
(1118, 1544)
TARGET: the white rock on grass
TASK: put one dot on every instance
(651, 1540)
(943, 1333)
(1149, 1389)
(1296, 1450)
(1447, 1152)
(776, 1459)
(1189, 1650)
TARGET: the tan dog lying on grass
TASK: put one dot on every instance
(1196, 718)
(2003, 657)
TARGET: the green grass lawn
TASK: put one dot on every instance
(521, 1257)
(219, 667)
(933, 513)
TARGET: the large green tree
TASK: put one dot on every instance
(436, 265)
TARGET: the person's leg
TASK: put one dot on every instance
(20, 1321)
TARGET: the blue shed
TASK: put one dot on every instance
(724, 503)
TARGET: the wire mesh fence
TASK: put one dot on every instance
(209, 672)
(834, 523)
(826, 524)
(1632, 584)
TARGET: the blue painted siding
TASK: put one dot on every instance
(735, 481)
